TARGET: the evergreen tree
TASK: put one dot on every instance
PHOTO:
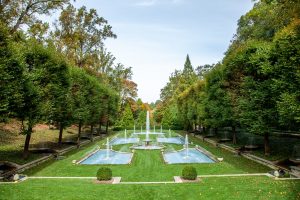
(126, 120)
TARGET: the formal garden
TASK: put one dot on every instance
(73, 124)
(148, 176)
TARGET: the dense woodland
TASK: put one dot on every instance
(61, 72)
(256, 86)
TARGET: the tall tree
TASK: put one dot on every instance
(45, 76)
(11, 79)
(126, 119)
(80, 33)
(15, 13)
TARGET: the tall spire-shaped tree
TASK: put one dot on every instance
(188, 68)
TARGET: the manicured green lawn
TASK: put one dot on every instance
(244, 188)
(148, 166)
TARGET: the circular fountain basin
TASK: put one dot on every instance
(101, 157)
(193, 156)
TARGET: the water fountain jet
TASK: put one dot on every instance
(107, 148)
(186, 145)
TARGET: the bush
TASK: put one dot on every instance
(104, 174)
(189, 173)
(117, 128)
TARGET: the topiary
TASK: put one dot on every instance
(104, 174)
(189, 173)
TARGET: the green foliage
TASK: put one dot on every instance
(80, 34)
(16, 13)
(256, 86)
(140, 121)
(126, 120)
(11, 79)
(40, 79)
(170, 118)
(118, 128)
(104, 174)
(189, 173)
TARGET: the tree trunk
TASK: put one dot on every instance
(92, 130)
(99, 129)
(233, 135)
(79, 135)
(203, 130)
(267, 144)
(107, 124)
(61, 129)
(27, 142)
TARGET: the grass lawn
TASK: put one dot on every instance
(148, 166)
(209, 188)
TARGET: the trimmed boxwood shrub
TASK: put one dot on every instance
(189, 173)
(104, 174)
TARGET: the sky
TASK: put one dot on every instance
(154, 36)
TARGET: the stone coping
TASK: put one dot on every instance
(177, 179)
(114, 180)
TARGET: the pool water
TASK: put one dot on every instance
(118, 141)
(112, 157)
(194, 156)
(173, 140)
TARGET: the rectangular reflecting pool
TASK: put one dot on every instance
(118, 141)
(172, 140)
(190, 156)
(107, 157)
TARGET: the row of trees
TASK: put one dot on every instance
(257, 84)
(60, 73)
